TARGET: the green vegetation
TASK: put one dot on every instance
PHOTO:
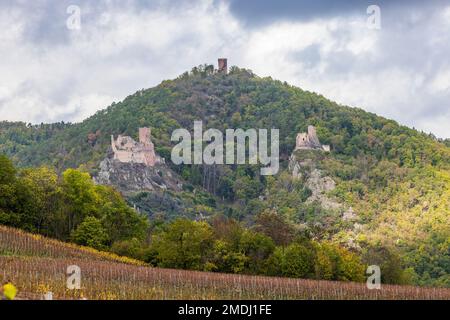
(67, 207)
(395, 178)
(226, 246)
(72, 208)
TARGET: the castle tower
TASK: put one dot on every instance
(309, 140)
(144, 135)
(223, 65)
(312, 136)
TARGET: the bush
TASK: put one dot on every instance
(184, 244)
(90, 233)
(295, 261)
(133, 248)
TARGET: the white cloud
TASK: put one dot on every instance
(120, 52)
(441, 82)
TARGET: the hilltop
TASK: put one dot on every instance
(239, 99)
(392, 180)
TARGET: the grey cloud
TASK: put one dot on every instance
(309, 56)
(257, 13)
(405, 43)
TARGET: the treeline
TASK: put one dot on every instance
(271, 247)
(224, 245)
(17, 136)
(237, 100)
(69, 207)
(72, 208)
(395, 178)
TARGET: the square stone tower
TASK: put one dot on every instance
(223, 65)
(144, 135)
(309, 140)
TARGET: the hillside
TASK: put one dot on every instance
(395, 179)
(239, 99)
(37, 265)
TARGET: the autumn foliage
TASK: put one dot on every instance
(37, 265)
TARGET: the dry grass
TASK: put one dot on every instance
(38, 265)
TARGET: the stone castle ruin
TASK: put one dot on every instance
(223, 65)
(310, 141)
(129, 151)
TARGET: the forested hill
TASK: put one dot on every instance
(239, 99)
(395, 179)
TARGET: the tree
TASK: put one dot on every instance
(350, 267)
(7, 189)
(90, 233)
(226, 259)
(80, 197)
(122, 222)
(257, 247)
(333, 262)
(133, 248)
(7, 171)
(119, 220)
(295, 261)
(185, 244)
(238, 249)
(236, 119)
(389, 262)
(273, 225)
(228, 230)
(324, 266)
(246, 188)
(41, 199)
(225, 185)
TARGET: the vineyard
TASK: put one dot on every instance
(37, 265)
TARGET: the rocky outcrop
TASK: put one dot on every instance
(303, 166)
(132, 177)
(319, 185)
(295, 168)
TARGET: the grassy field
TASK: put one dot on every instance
(37, 265)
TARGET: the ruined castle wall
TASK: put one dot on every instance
(129, 151)
(313, 139)
(309, 140)
(123, 156)
(223, 65)
(301, 141)
(144, 135)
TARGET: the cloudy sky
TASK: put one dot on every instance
(52, 71)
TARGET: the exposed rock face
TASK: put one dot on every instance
(314, 181)
(131, 177)
(319, 187)
(295, 168)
